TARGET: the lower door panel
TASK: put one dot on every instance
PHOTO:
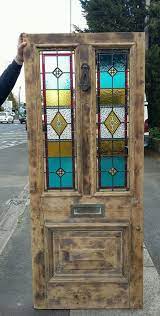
(87, 265)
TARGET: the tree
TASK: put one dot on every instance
(115, 16)
(153, 65)
(12, 98)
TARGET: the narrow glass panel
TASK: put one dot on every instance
(112, 119)
(58, 84)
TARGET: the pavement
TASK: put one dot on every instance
(16, 277)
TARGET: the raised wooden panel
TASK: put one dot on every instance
(76, 295)
(88, 251)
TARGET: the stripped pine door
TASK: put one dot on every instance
(84, 95)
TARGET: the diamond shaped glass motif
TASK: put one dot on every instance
(112, 71)
(112, 122)
(112, 171)
(57, 72)
(58, 123)
(60, 172)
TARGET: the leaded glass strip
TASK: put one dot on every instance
(112, 75)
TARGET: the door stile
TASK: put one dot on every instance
(136, 275)
(34, 126)
(85, 105)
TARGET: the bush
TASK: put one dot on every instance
(155, 132)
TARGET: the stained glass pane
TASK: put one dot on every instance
(64, 63)
(64, 81)
(51, 97)
(58, 100)
(112, 119)
(50, 63)
(62, 148)
(64, 97)
(112, 96)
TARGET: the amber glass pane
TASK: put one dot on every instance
(112, 96)
(56, 149)
(64, 97)
(51, 97)
(109, 147)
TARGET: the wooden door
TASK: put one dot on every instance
(86, 168)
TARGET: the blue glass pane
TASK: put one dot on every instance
(105, 62)
(67, 180)
(119, 80)
(64, 81)
(66, 164)
(51, 81)
(119, 61)
(105, 80)
(119, 163)
(54, 180)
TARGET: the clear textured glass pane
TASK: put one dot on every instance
(64, 63)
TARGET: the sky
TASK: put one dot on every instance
(33, 16)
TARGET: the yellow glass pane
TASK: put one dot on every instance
(115, 96)
(108, 147)
(59, 149)
(51, 97)
(65, 97)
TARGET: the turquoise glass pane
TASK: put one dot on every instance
(64, 81)
(105, 62)
(119, 179)
(105, 80)
(55, 163)
(54, 180)
(106, 179)
(67, 180)
(51, 81)
(116, 180)
(64, 63)
(119, 80)
(119, 61)
(113, 162)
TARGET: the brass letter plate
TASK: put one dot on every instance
(87, 210)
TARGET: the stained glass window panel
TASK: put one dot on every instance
(112, 119)
(58, 84)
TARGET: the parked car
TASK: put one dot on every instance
(6, 117)
(146, 127)
(22, 119)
